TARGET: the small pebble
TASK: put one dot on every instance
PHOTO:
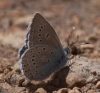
(16, 67)
(6, 71)
(25, 83)
(91, 91)
(75, 90)
(1, 70)
(98, 85)
(17, 79)
(92, 37)
(96, 53)
(88, 46)
(94, 73)
(40, 90)
(62, 90)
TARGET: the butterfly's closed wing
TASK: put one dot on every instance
(42, 53)
(40, 61)
(40, 32)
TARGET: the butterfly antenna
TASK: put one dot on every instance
(70, 35)
(68, 40)
(77, 38)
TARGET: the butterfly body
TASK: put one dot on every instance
(42, 53)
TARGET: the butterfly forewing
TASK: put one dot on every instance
(40, 61)
(40, 32)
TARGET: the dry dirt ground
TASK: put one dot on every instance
(15, 16)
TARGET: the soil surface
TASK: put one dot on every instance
(63, 15)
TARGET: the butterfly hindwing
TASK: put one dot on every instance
(40, 61)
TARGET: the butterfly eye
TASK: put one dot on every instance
(68, 51)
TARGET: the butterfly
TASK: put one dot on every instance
(42, 54)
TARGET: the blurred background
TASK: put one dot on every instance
(15, 16)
